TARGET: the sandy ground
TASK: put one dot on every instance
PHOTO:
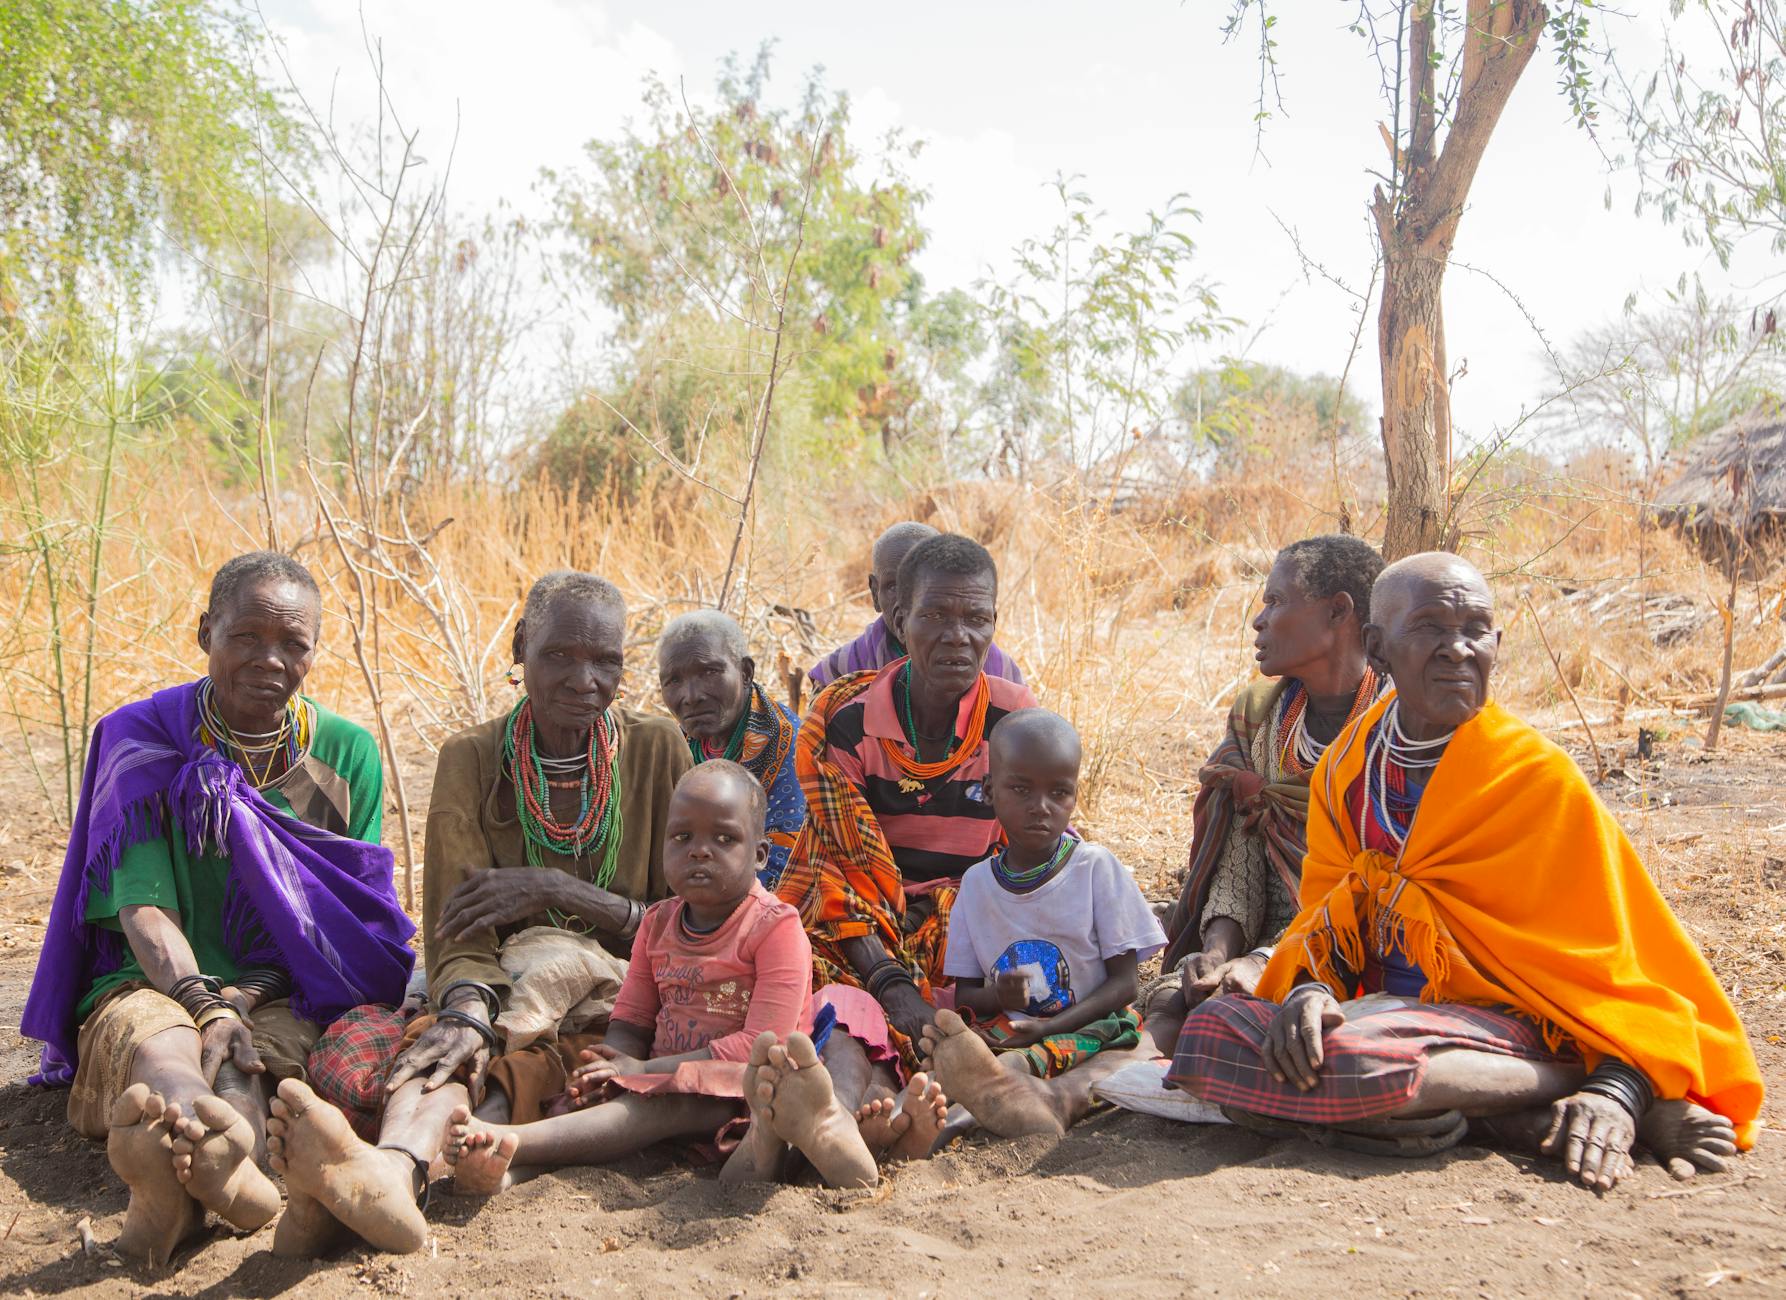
(1123, 1205)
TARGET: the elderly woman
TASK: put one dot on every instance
(1246, 852)
(552, 814)
(709, 682)
(1478, 941)
(224, 891)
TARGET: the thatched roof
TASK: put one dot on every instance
(1731, 482)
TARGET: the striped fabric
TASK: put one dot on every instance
(1373, 1063)
(876, 648)
(936, 829)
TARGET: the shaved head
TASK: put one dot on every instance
(1432, 628)
(890, 550)
(1404, 582)
(1035, 733)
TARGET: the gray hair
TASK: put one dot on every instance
(899, 538)
(1334, 562)
(251, 570)
(569, 584)
(707, 627)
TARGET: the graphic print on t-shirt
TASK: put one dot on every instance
(1045, 967)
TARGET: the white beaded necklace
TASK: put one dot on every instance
(1390, 744)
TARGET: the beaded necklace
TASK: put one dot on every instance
(598, 826)
(1393, 763)
(1022, 882)
(697, 749)
(278, 750)
(911, 723)
(1298, 751)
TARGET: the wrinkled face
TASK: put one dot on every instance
(261, 645)
(1438, 640)
(1294, 630)
(706, 688)
(945, 623)
(712, 851)
(571, 662)
(1033, 795)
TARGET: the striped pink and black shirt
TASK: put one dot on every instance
(940, 830)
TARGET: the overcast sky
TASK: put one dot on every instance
(1142, 100)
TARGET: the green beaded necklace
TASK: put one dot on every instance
(911, 724)
(697, 749)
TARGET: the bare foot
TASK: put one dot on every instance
(479, 1153)
(140, 1146)
(759, 1156)
(905, 1127)
(370, 1190)
(1687, 1138)
(1008, 1103)
(803, 1111)
(214, 1158)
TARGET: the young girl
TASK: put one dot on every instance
(715, 1006)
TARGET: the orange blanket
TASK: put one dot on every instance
(1517, 887)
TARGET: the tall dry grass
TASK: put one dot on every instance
(1132, 623)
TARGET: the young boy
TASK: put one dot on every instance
(1044, 941)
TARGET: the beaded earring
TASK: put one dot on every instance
(515, 675)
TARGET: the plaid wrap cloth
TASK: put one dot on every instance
(1054, 1055)
(1373, 1063)
(349, 1063)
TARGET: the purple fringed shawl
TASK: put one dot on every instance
(319, 906)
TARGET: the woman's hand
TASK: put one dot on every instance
(227, 1039)
(438, 1053)
(907, 1011)
(1294, 1041)
(502, 896)
(1205, 978)
(1593, 1135)
(589, 1083)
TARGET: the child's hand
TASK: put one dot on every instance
(589, 1082)
(1026, 1031)
(1012, 988)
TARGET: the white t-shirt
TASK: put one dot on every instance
(1059, 935)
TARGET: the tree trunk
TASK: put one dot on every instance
(1416, 229)
(1416, 402)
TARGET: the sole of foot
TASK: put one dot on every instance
(480, 1156)
(214, 1159)
(908, 1126)
(140, 1145)
(759, 1156)
(369, 1191)
(803, 1111)
(1009, 1104)
(1687, 1139)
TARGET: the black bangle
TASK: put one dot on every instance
(492, 1003)
(265, 982)
(884, 975)
(459, 1017)
(1625, 1084)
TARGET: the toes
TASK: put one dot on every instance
(214, 1113)
(948, 1024)
(759, 1050)
(1682, 1168)
(801, 1052)
(297, 1097)
(777, 1057)
(129, 1107)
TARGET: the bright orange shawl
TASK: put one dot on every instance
(1517, 887)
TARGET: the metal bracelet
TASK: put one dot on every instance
(459, 1017)
(1263, 950)
(223, 1010)
(491, 1000)
(1621, 1083)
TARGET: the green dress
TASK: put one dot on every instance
(339, 786)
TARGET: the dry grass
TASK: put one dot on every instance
(1132, 624)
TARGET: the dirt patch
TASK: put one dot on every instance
(1123, 1205)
